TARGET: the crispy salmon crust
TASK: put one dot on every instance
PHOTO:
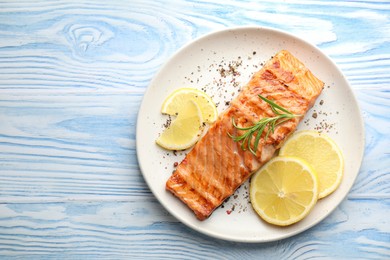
(217, 166)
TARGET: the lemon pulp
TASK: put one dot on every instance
(322, 153)
(284, 190)
(184, 131)
(192, 108)
(178, 99)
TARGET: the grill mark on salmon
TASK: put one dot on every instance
(217, 166)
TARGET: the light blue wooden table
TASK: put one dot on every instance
(72, 77)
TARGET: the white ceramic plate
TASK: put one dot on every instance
(199, 65)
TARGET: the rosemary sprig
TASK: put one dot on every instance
(281, 115)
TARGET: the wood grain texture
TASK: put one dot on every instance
(72, 77)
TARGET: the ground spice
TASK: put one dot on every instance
(168, 122)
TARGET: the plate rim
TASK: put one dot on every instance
(232, 29)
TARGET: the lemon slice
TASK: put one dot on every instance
(322, 153)
(284, 190)
(185, 130)
(176, 101)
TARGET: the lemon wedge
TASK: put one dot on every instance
(322, 153)
(185, 130)
(179, 98)
(284, 190)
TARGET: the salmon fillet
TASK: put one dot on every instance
(217, 165)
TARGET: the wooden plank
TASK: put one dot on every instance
(141, 228)
(93, 46)
(69, 145)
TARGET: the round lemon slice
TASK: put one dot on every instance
(284, 190)
(185, 130)
(322, 153)
(176, 101)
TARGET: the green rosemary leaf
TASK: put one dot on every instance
(274, 105)
(268, 123)
(258, 136)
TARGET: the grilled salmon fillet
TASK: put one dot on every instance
(217, 165)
